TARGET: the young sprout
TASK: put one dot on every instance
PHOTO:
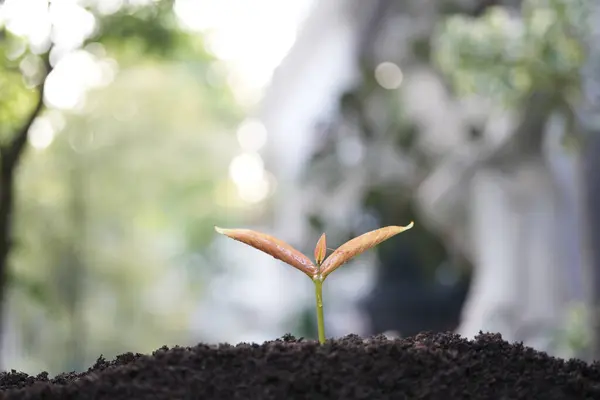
(324, 266)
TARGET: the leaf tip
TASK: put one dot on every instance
(400, 229)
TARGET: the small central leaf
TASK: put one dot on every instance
(321, 250)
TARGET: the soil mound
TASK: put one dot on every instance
(428, 366)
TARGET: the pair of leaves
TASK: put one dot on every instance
(324, 266)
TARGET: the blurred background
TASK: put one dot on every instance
(129, 128)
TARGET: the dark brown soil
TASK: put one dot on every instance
(427, 366)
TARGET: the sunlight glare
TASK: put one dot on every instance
(71, 24)
(41, 133)
(108, 7)
(248, 173)
(245, 168)
(242, 33)
(28, 19)
(74, 74)
(252, 134)
(201, 15)
(254, 193)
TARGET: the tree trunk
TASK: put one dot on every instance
(589, 119)
(10, 155)
(6, 211)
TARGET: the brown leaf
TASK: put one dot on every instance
(359, 245)
(272, 246)
(321, 249)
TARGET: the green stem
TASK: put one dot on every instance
(318, 281)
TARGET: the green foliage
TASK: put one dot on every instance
(16, 98)
(150, 30)
(506, 56)
(109, 215)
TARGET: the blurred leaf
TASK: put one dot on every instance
(502, 56)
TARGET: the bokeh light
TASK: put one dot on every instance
(252, 135)
(389, 75)
(41, 133)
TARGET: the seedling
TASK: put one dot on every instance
(324, 266)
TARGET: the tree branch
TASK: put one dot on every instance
(11, 152)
